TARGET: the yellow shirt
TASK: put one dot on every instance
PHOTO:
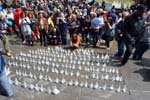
(50, 22)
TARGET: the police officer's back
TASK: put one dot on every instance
(133, 29)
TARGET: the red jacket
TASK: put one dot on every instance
(17, 13)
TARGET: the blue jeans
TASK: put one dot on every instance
(86, 36)
(121, 48)
(128, 52)
(64, 38)
(95, 33)
(5, 87)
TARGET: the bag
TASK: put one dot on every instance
(112, 31)
(106, 32)
(109, 33)
(34, 36)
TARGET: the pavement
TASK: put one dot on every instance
(136, 75)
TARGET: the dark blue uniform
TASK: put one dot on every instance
(133, 29)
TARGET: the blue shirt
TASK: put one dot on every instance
(95, 23)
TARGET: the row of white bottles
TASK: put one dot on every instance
(48, 61)
(85, 84)
(63, 80)
(46, 69)
(66, 72)
(40, 55)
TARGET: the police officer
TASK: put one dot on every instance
(133, 29)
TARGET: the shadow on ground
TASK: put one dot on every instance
(145, 73)
(15, 42)
(69, 48)
(145, 70)
(91, 46)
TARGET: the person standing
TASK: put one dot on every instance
(133, 29)
(63, 26)
(95, 25)
(25, 28)
(87, 29)
(119, 35)
(73, 24)
(42, 28)
(17, 13)
(3, 36)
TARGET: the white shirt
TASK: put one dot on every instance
(10, 16)
(42, 23)
(101, 18)
(25, 27)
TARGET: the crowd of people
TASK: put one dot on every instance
(57, 21)
(77, 22)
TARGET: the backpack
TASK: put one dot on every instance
(110, 32)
